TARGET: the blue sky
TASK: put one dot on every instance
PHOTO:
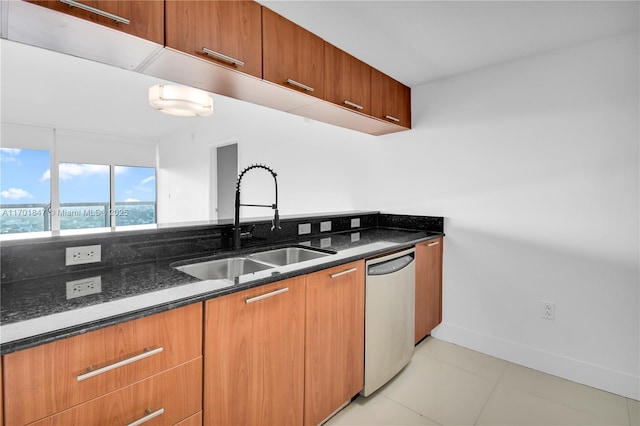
(25, 179)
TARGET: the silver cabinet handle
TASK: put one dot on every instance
(348, 271)
(97, 11)
(352, 104)
(222, 57)
(148, 417)
(434, 244)
(266, 295)
(300, 85)
(92, 373)
(389, 117)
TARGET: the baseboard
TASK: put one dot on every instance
(596, 376)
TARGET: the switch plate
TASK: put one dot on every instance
(83, 254)
(84, 287)
(304, 228)
(355, 223)
(325, 226)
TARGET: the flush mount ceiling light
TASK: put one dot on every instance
(180, 100)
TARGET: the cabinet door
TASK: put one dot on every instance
(293, 57)
(254, 356)
(49, 378)
(145, 17)
(1, 396)
(226, 32)
(334, 349)
(390, 99)
(347, 80)
(164, 399)
(428, 287)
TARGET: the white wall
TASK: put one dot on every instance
(320, 167)
(534, 164)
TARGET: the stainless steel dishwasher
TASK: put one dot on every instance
(389, 317)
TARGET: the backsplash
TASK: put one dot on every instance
(25, 259)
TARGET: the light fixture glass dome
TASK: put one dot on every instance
(180, 100)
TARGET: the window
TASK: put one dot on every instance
(85, 193)
(25, 191)
(85, 196)
(135, 195)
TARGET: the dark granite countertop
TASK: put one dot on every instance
(37, 311)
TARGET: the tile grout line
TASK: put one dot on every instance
(410, 409)
(492, 392)
(547, 398)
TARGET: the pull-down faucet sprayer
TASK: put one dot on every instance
(274, 206)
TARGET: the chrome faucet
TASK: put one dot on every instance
(236, 222)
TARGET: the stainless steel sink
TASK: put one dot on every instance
(287, 256)
(223, 268)
(233, 267)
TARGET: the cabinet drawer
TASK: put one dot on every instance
(46, 379)
(164, 399)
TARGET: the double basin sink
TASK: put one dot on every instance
(232, 267)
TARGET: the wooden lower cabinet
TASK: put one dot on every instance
(164, 399)
(50, 378)
(428, 287)
(334, 342)
(254, 356)
(1, 397)
(195, 420)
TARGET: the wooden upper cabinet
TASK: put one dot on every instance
(145, 17)
(390, 99)
(428, 287)
(226, 32)
(347, 80)
(292, 56)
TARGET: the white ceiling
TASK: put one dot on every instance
(421, 41)
(413, 41)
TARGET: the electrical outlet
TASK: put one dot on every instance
(82, 255)
(325, 226)
(79, 288)
(355, 223)
(304, 228)
(547, 310)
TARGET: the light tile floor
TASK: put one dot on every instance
(445, 384)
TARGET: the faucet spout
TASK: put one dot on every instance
(274, 206)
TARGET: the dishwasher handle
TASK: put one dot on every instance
(391, 266)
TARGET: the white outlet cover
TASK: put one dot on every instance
(84, 287)
(355, 223)
(304, 228)
(83, 254)
(325, 226)
(547, 310)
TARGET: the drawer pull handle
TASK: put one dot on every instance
(150, 415)
(97, 11)
(353, 104)
(300, 85)
(92, 373)
(348, 271)
(222, 57)
(389, 117)
(434, 244)
(267, 295)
